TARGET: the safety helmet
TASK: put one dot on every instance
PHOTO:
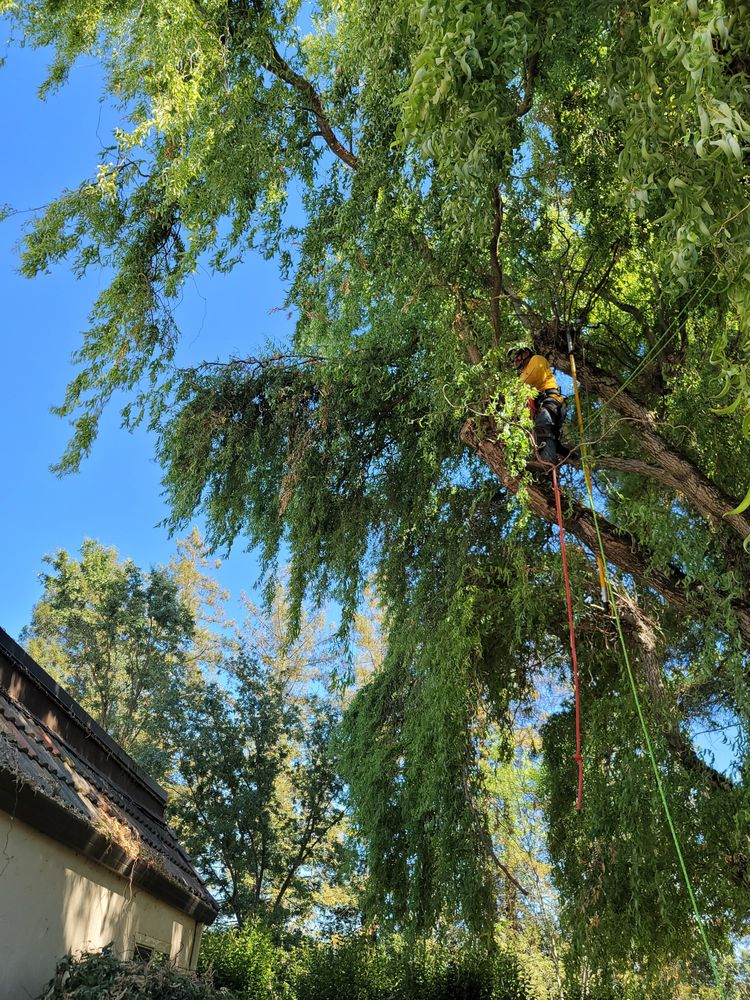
(518, 345)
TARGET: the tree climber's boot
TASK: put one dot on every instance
(545, 446)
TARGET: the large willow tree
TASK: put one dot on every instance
(468, 173)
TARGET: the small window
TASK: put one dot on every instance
(142, 953)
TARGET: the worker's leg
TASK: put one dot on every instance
(544, 434)
(563, 451)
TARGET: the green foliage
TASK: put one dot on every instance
(616, 867)
(420, 794)
(358, 969)
(246, 961)
(104, 977)
(467, 174)
(117, 639)
(257, 800)
(248, 965)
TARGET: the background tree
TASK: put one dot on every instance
(259, 802)
(237, 723)
(482, 172)
(118, 640)
(193, 569)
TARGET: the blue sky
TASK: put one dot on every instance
(116, 498)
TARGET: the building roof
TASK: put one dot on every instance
(62, 774)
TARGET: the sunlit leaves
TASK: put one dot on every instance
(118, 639)
(509, 169)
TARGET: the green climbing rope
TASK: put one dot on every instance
(650, 749)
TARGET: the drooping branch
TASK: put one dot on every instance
(478, 822)
(649, 658)
(277, 65)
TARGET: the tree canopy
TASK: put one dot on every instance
(118, 639)
(259, 801)
(437, 180)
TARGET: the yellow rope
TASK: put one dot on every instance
(585, 465)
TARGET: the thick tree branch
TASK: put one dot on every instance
(281, 68)
(621, 548)
(277, 65)
(496, 271)
(628, 308)
(529, 83)
(705, 497)
(633, 465)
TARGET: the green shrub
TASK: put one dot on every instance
(349, 971)
(101, 976)
(249, 965)
(356, 969)
(246, 962)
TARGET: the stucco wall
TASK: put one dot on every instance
(54, 901)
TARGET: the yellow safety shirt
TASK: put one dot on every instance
(538, 374)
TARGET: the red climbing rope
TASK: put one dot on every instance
(571, 625)
(577, 755)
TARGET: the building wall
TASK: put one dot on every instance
(54, 901)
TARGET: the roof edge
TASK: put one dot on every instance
(79, 716)
(43, 813)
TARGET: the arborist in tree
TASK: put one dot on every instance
(547, 407)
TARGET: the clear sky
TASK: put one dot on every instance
(116, 498)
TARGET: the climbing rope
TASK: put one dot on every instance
(552, 467)
(608, 592)
(601, 559)
(585, 463)
(571, 627)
